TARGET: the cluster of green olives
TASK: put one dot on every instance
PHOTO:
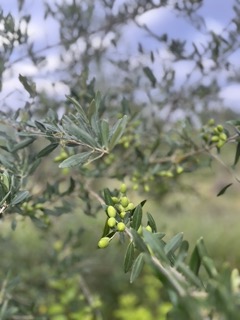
(116, 214)
(119, 216)
(216, 134)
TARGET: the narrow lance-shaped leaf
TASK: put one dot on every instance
(148, 72)
(189, 275)
(117, 131)
(138, 241)
(183, 251)
(151, 222)
(19, 197)
(78, 107)
(82, 135)
(195, 261)
(137, 217)
(104, 133)
(75, 160)
(222, 191)
(174, 243)
(48, 149)
(209, 267)
(29, 85)
(237, 154)
(129, 257)
(108, 197)
(137, 267)
(24, 143)
(155, 244)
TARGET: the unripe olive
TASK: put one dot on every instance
(39, 206)
(220, 128)
(115, 199)
(179, 169)
(121, 226)
(146, 188)
(111, 211)
(148, 228)
(205, 137)
(130, 206)
(111, 222)
(169, 174)
(124, 201)
(211, 122)
(135, 186)
(215, 138)
(103, 242)
(223, 136)
(122, 214)
(220, 143)
(126, 144)
(123, 188)
(139, 231)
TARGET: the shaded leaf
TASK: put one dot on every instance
(24, 143)
(195, 261)
(209, 267)
(137, 217)
(151, 222)
(148, 72)
(129, 257)
(155, 244)
(138, 241)
(237, 154)
(108, 197)
(48, 149)
(29, 85)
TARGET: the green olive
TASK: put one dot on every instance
(211, 122)
(124, 201)
(179, 169)
(215, 138)
(130, 206)
(103, 242)
(115, 199)
(220, 128)
(123, 188)
(111, 211)
(111, 222)
(223, 136)
(121, 226)
(122, 214)
(149, 228)
(220, 143)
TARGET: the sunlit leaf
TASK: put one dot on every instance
(137, 267)
(29, 85)
(19, 197)
(76, 160)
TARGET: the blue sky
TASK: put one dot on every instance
(46, 32)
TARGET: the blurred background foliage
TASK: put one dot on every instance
(50, 265)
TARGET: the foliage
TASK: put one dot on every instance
(99, 137)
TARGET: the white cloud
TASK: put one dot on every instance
(231, 96)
